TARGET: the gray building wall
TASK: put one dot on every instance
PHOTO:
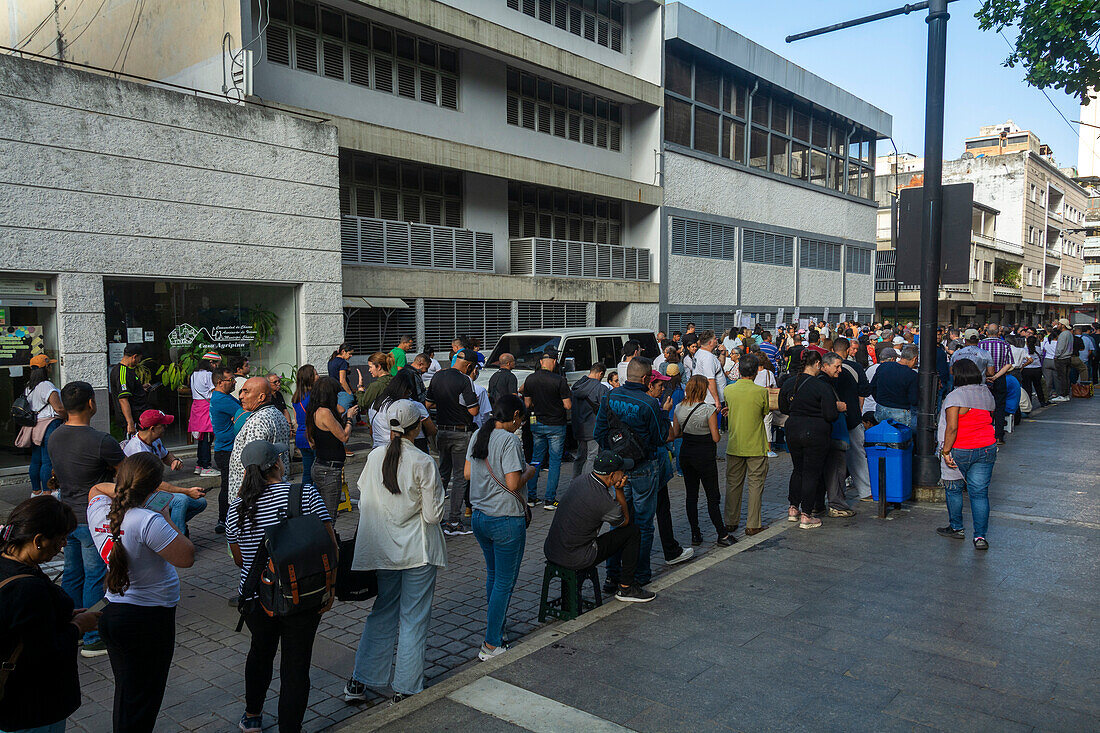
(104, 178)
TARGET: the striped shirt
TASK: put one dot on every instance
(270, 509)
(769, 350)
(999, 352)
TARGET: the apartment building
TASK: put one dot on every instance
(1090, 287)
(498, 159)
(1040, 213)
(769, 211)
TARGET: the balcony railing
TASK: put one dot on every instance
(999, 289)
(1052, 290)
(1054, 252)
(401, 244)
(537, 256)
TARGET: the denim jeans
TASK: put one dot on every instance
(976, 466)
(58, 727)
(183, 508)
(905, 417)
(308, 456)
(400, 614)
(502, 539)
(202, 457)
(329, 482)
(547, 439)
(345, 399)
(41, 467)
(641, 494)
(84, 573)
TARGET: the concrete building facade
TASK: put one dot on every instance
(138, 215)
(769, 210)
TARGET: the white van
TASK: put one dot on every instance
(578, 349)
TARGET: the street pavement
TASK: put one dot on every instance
(206, 683)
(864, 624)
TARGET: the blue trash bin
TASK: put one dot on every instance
(890, 450)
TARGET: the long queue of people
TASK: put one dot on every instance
(812, 390)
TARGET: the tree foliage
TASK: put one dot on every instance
(1057, 43)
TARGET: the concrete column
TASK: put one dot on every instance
(421, 338)
(320, 321)
(590, 314)
(82, 337)
(515, 315)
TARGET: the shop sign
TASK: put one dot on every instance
(223, 337)
(18, 344)
(21, 286)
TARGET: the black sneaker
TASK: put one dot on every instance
(955, 534)
(251, 723)
(726, 541)
(219, 528)
(355, 691)
(455, 529)
(696, 538)
(398, 697)
(609, 587)
(532, 503)
(634, 594)
(980, 543)
(550, 506)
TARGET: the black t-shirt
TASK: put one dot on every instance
(847, 391)
(452, 392)
(279, 401)
(547, 390)
(125, 383)
(571, 541)
(82, 457)
(502, 383)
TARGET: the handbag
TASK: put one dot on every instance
(773, 398)
(25, 437)
(8, 665)
(1081, 390)
(526, 509)
(353, 585)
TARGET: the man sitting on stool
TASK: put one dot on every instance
(574, 541)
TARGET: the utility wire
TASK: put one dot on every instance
(130, 27)
(34, 31)
(1044, 91)
(87, 25)
(133, 34)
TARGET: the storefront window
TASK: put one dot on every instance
(27, 327)
(177, 321)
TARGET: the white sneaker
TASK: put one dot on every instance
(772, 454)
(210, 472)
(684, 556)
(1060, 398)
(198, 470)
(485, 653)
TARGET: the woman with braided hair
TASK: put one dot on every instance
(142, 549)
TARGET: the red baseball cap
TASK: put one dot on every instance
(149, 418)
(656, 376)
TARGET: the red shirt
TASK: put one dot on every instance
(818, 349)
(975, 429)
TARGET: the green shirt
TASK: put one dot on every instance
(398, 359)
(748, 405)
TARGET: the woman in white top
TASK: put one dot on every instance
(142, 549)
(400, 507)
(198, 423)
(1050, 374)
(45, 401)
(400, 387)
(697, 423)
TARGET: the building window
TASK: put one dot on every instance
(767, 248)
(534, 315)
(858, 261)
(599, 21)
(320, 40)
(555, 109)
(817, 255)
(484, 320)
(383, 188)
(555, 214)
(703, 239)
(708, 108)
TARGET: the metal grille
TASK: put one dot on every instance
(817, 255)
(600, 22)
(717, 322)
(534, 102)
(703, 239)
(535, 315)
(376, 329)
(402, 244)
(859, 261)
(767, 248)
(485, 320)
(565, 258)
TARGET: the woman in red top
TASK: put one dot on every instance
(968, 450)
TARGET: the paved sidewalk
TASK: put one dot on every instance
(206, 684)
(863, 624)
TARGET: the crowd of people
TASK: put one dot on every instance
(811, 389)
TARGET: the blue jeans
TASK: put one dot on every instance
(345, 399)
(641, 494)
(308, 456)
(502, 539)
(404, 600)
(976, 466)
(183, 508)
(84, 572)
(41, 467)
(547, 438)
(58, 727)
(202, 458)
(905, 417)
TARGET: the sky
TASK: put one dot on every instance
(884, 63)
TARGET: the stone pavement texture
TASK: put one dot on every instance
(863, 624)
(206, 684)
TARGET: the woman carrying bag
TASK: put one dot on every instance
(697, 423)
(44, 400)
(401, 504)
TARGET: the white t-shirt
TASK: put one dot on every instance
(869, 403)
(433, 367)
(136, 445)
(484, 407)
(765, 378)
(153, 580)
(708, 366)
(39, 398)
(202, 384)
(621, 369)
(658, 362)
(380, 422)
(687, 367)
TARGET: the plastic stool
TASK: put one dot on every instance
(571, 603)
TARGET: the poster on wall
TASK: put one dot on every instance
(18, 344)
(134, 335)
(20, 286)
(223, 337)
(115, 352)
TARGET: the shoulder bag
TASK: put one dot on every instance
(7, 666)
(501, 484)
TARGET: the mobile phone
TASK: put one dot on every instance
(537, 466)
(99, 605)
(157, 501)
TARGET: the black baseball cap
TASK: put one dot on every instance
(467, 355)
(262, 454)
(608, 463)
(549, 352)
(132, 349)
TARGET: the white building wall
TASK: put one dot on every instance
(106, 179)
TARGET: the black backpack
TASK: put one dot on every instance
(22, 414)
(295, 566)
(621, 439)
